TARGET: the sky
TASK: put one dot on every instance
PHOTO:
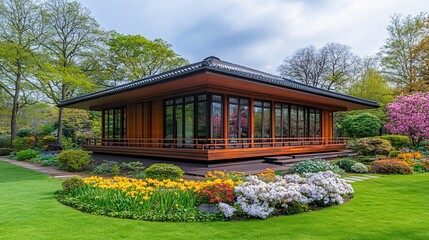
(254, 33)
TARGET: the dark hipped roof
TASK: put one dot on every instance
(216, 65)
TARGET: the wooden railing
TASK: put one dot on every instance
(214, 143)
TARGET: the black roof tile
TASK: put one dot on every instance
(217, 65)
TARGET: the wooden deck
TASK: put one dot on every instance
(214, 149)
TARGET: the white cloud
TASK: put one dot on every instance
(255, 33)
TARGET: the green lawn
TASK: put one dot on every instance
(392, 207)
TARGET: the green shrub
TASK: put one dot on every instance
(361, 125)
(163, 171)
(370, 146)
(397, 141)
(366, 159)
(132, 167)
(115, 170)
(26, 154)
(4, 141)
(46, 140)
(359, 168)
(24, 132)
(346, 164)
(72, 183)
(73, 160)
(419, 168)
(391, 166)
(314, 166)
(394, 154)
(5, 151)
(104, 168)
(23, 143)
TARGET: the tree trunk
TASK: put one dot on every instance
(60, 117)
(60, 125)
(15, 107)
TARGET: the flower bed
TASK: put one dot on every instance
(167, 200)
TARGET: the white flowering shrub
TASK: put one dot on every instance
(315, 165)
(325, 188)
(260, 199)
(227, 210)
(359, 168)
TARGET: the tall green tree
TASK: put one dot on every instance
(373, 86)
(71, 35)
(20, 28)
(400, 64)
(133, 57)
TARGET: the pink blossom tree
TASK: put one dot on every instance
(409, 115)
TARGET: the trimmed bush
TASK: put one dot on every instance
(161, 171)
(346, 164)
(359, 168)
(5, 151)
(72, 183)
(397, 141)
(73, 160)
(361, 125)
(394, 154)
(26, 154)
(314, 166)
(23, 143)
(391, 166)
(4, 141)
(419, 168)
(370, 146)
(366, 159)
(47, 140)
(24, 132)
(104, 168)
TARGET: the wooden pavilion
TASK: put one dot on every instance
(215, 110)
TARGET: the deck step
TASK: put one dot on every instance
(290, 159)
(226, 164)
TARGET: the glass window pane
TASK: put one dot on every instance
(216, 98)
(244, 121)
(267, 123)
(233, 100)
(189, 99)
(169, 122)
(111, 123)
(278, 122)
(293, 121)
(216, 120)
(202, 120)
(124, 123)
(267, 104)
(179, 121)
(285, 121)
(318, 119)
(178, 100)
(202, 97)
(258, 122)
(301, 123)
(257, 103)
(189, 120)
(233, 121)
(169, 102)
(244, 101)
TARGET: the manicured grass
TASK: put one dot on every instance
(391, 207)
